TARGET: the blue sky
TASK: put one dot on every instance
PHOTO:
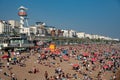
(100, 17)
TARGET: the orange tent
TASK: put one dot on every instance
(52, 47)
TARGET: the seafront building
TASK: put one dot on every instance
(5, 27)
(69, 33)
(81, 34)
(40, 29)
(14, 23)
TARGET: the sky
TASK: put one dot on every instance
(101, 17)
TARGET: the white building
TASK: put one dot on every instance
(33, 29)
(69, 33)
(1, 27)
(107, 38)
(116, 39)
(5, 27)
(14, 23)
(88, 36)
(95, 36)
(26, 30)
(81, 34)
(65, 34)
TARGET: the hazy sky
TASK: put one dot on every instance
(100, 17)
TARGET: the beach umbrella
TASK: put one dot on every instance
(110, 62)
(57, 52)
(105, 66)
(65, 57)
(64, 51)
(93, 59)
(5, 56)
(85, 54)
(75, 65)
(95, 55)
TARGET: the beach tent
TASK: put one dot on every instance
(52, 47)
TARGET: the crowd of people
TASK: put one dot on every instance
(83, 61)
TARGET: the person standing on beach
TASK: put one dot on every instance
(46, 75)
(34, 70)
